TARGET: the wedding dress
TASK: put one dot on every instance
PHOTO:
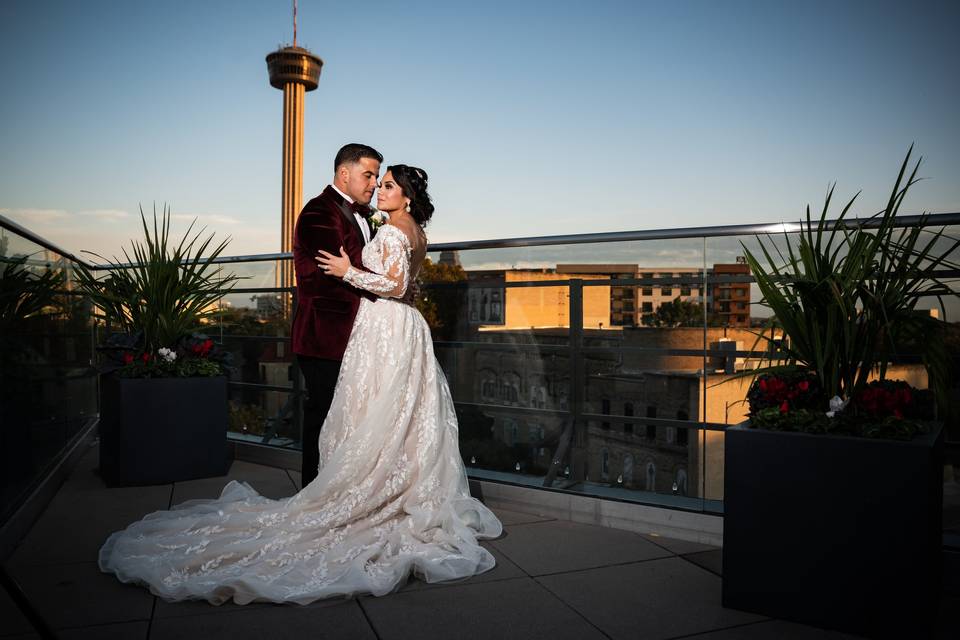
(391, 497)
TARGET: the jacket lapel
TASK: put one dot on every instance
(348, 213)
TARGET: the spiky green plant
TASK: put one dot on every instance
(25, 293)
(846, 297)
(163, 291)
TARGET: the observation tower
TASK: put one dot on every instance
(293, 70)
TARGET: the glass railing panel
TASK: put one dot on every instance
(530, 426)
(641, 421)
(48, 389)
(263, 416)
(260, 360)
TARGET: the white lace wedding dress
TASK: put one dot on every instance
(391, 497)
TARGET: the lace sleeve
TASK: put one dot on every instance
(392, 280)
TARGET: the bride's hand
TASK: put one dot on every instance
(332, 265)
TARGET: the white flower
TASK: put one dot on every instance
(836, 406)
(378, 219)
(167, 354)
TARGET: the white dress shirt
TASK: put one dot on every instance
(364, 227)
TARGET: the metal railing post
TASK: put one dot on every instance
(578, 470)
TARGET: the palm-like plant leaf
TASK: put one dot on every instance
(846, 297)
(165, 293)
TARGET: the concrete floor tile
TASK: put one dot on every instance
(517, 608)
(267, 481)
(76, 595)
(508, 517)
(121, 631)
(662, 598)
(775, 629)
(277, 622)
(75, 525)
(296, 477)
(551, 547)
(679, 547)
(505, 570)
(165, 609)
(712, 561)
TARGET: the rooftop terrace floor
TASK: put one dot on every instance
(553, 579)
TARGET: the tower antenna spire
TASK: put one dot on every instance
(294, 22)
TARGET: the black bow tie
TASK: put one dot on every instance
(362, 209)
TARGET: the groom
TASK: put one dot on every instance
(326, 306)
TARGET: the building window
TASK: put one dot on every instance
(684, 291)
(604, 464)
(536, 431)
(485, 306)
(628, 411)
(510, 389)
(651, 476)
(496, 311)
(666, 291)
(681, 482)
(538, 396)
(628, 470)
(646, 307)
(488, 389)
(682, 432)
(511, 430)
(651, 428)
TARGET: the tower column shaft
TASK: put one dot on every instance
(292, 196)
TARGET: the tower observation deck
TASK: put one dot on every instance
(294, 70)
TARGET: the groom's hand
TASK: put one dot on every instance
(332, 265)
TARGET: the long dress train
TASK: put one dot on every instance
(391, 497)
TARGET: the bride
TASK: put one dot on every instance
(391, 497)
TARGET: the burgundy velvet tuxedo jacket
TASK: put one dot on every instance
(326, 306)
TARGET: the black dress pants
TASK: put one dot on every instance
(321, 378)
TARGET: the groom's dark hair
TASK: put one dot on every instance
(350, 153)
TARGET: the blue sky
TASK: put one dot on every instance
(532, 118)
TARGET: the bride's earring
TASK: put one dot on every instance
(408, 207)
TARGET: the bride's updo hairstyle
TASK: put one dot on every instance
(413, 181)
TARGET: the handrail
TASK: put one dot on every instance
(934, 219)
(10, 225)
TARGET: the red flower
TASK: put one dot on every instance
(763, 385)
(145, 357)
(784, 407)
(202, 349)
(803, 385)
(127, 358)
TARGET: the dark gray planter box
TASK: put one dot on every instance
(834, 531)
(162, 430)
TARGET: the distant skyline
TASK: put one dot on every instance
(531, 118)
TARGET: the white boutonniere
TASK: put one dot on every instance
(378, 219)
